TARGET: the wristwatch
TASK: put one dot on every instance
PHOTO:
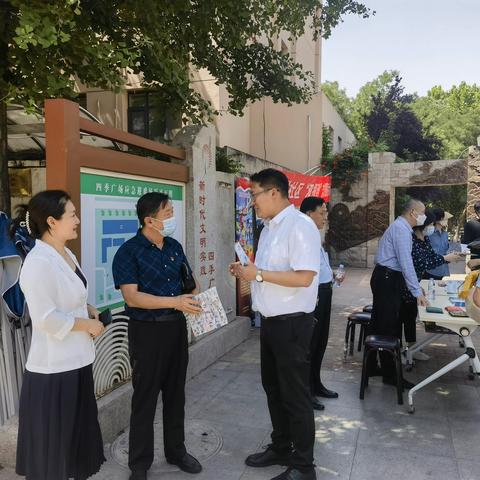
(258, 276)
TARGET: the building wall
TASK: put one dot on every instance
(232, 131)
(342, 136)
(288, 136)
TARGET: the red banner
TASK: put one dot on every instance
(302, 186)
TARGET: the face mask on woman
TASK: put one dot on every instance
(427, 231)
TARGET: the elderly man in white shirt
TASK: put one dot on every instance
(284, 291)
(316, 209)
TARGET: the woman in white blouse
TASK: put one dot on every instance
(58, 436)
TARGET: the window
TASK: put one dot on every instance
(145, 117)
(340, 146)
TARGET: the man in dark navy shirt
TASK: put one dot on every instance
(147, 269)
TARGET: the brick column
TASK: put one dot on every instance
(473, 179)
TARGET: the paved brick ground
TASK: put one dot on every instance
(374, 439)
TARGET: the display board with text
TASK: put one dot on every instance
(109, 218)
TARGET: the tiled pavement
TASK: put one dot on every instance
(374, 439)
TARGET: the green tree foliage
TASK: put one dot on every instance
(346, 167)
(449, 118)
(393, 123)
(227, 163)
(327, 145)
(46, 44)
(451, 115)
(353, 110)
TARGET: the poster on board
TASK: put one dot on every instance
(244, 216)
(109, 218)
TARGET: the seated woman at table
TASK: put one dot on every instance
(424, 258)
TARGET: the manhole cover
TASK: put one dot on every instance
(202, 441)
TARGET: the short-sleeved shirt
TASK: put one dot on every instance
(326, 273)
(156, 271)
(289, 241)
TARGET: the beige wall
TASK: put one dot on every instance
(288, 136)
(331, 119)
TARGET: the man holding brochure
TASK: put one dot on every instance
(284, 291)
(148, 270)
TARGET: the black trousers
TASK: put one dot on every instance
(159, 357)
(387, 287)
(320, 336)
(284, 347)
(408, 316)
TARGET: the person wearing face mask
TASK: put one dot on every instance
(438, 236)
(393, 270)
(424, 258)
(147, 269)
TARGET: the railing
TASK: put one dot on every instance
(110, 369)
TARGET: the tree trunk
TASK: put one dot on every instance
(4, 178)
(5, 17)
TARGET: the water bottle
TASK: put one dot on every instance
(431, 290)
(339, 275)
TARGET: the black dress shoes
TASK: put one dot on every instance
(267, 458)
(187, 463)
(325, 393)
(393, 381)
(138, 475)
(294, 474)
(317, 405)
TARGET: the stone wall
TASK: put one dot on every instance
(357, 221)
(473, 188)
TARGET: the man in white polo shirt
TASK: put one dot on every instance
(284, 291)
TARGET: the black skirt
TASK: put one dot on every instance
(58, 432)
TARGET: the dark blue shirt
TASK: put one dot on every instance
(156, 271)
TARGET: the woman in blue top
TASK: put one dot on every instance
(440, 243)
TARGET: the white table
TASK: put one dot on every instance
(464, 327)
(441, 291)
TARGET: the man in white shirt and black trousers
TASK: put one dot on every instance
(316, 209)
(284, 291)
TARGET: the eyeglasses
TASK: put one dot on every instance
(255, 195)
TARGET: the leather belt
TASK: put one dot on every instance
(286, 315)
(170, 317)
(386, 269)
